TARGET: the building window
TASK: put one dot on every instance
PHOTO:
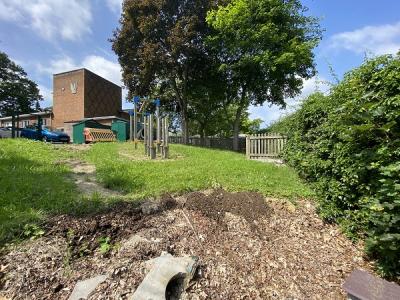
(26, 123)
(44, 122)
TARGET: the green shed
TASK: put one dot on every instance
(77, 133)
(121, 129)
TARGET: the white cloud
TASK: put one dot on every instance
(115, 5)
(273, 113)
(103, 67)
(382, 39)
(51, 19)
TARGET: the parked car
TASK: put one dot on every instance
(46, 135)
(5, 132)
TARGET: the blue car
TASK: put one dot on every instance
(45, 135)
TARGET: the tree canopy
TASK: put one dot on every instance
(211, 59)
(265, 50)
(18, 94)
(160, 45)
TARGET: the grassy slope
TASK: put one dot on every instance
(33, 185)
(190, 169)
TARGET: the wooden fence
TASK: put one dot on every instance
(268, 145)
(211, 142)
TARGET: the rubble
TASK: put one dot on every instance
(83, 288)
(166, 268)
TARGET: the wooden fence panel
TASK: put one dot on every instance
(267, 145)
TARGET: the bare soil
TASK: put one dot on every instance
(84, 176)
(249, 248)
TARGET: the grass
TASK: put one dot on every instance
(190, 169)
(34, 185)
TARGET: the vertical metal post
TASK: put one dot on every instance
(158, 127)
(152, 148)
(162, 138)
(130, 127)
(145, 133)
(166, 137)
(135, 121)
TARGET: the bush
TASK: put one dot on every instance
(348, 145)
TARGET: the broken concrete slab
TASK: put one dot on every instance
(134, 240)
(165, 268)
(84, 288)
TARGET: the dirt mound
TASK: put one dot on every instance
(250, 206)
(296, 257)
(86, 234)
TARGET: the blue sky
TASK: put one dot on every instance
(50, 36)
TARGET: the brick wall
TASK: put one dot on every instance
(68, 102)
(82, 94)
(102, 97)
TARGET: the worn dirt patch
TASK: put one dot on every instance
(84, 176)
(297, 256)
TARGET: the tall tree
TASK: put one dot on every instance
(160, 44)
(18, 94)
(265, 49)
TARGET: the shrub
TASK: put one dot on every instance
(348, 145)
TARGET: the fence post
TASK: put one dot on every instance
(248, 146)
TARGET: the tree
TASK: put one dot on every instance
(18, 94)
(160, 45)
(265, 51)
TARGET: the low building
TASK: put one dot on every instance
(26, 120)
(77, 95)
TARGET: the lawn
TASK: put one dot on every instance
(189, 169)
(34, 184)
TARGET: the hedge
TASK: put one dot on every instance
(347, 144)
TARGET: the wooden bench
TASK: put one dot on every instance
(361, 285)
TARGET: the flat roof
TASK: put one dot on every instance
(96, 119)
(41, 113)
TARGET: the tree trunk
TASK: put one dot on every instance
(238, 117)
(185, 124)
(184, 114)
(202, 135)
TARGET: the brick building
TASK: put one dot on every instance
(77, 95)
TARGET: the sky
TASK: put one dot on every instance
(51, 36)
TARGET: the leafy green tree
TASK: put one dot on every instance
(250, 126)
(18, 94)
(160, 45)
(265, 51)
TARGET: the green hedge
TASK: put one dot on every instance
(348, 145)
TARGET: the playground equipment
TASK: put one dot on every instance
(144, 124)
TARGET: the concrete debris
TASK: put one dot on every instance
(150, 207)
(84, 288)
(165, 269)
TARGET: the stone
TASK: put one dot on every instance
(134, 240)
(149, 208)
(165, 269)
(84, 288)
